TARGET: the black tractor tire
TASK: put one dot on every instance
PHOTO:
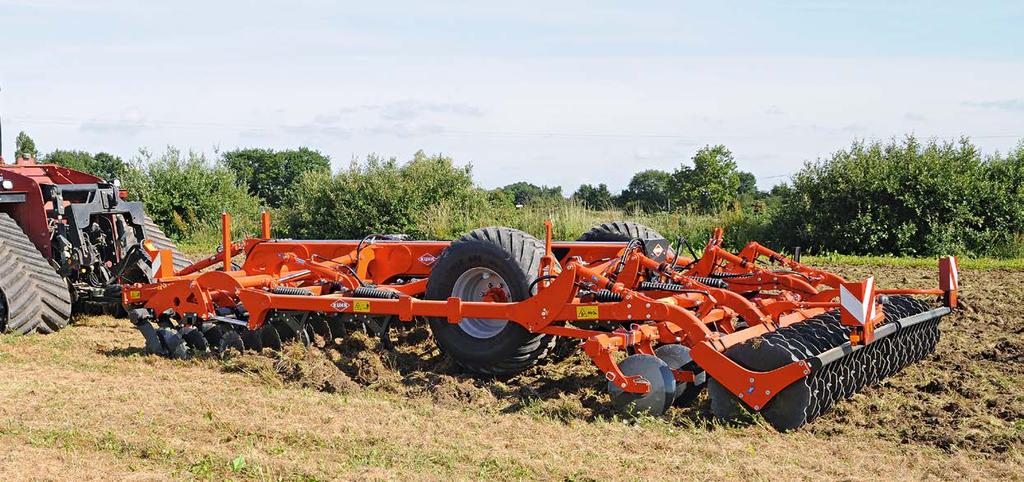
(617, 231)
(515, 257)
(161, 241)
(33, 297)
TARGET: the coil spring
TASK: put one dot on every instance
(288, 290)
(654, 285)
(371, 292)
(651, 285)
(606, 296)
(712, 282)
(730, 275)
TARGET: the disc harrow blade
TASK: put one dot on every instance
(230, 343)
(213, 334)
(321, 331)
(194, 339)
(173, 345)
(270, 338)
(678, 357)
(662, 387)
(252, 340)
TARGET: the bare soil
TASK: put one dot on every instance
(86, 404)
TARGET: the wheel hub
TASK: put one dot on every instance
(481, 284)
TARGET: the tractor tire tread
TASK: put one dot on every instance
(43, 301)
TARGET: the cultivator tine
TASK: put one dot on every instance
(337, 327)
(380, 327)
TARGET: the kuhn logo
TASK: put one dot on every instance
(427, 259)
(658, 249)
(340, 305)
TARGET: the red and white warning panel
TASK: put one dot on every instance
(859, 310)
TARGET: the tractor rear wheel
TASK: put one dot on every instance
(33, 297)
(161, 241)
(496, 264)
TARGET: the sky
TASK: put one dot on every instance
(555, 93)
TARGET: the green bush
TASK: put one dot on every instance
(187, 194)
(904, 198)
(380, 196)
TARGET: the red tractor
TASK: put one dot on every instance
(68, 241)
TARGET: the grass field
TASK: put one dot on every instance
(86, 404)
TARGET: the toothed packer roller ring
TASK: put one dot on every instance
(788, 408)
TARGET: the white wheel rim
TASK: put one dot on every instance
(472, 285)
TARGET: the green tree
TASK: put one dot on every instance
(780, 190)
(378, 196)
(599, 198)
(525, 193)
(748, 184)
(24, 146)
(187, 193)
(500, 198)
(710, 185)
(648, 191)
(103, 165)
(270, 175)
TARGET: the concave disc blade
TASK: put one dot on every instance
(251, 340)
(662, 384)
(270, 338)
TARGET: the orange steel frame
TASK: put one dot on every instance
(700, 318)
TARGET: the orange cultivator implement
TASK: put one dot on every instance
(758, 329)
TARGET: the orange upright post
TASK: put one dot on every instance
(225, 225)
(265, 225)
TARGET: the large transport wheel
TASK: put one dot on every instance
(495, 264)
(161, 241)
(616, 231)
(33, 297)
